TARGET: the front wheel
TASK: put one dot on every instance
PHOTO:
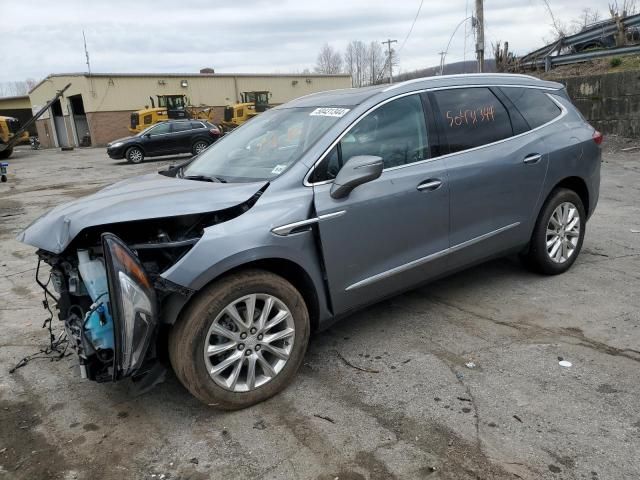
(558, 235)
(241, 340)
(135, 155)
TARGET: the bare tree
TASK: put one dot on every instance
(329, 60)
(377, 62)
(356, 59)
(586, 18)
(622, 9)
(16, 88)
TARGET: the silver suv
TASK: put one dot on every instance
(308, 212)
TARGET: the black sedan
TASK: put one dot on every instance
(165, 138)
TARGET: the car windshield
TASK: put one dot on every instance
(146, 130)
(263, 148)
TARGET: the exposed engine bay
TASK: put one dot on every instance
(109, 290)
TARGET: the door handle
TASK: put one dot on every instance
(533, 158)
(428, 185)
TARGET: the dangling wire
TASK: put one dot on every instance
(57, 348)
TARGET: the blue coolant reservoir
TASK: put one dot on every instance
(99, 326)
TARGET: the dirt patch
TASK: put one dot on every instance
(26, 453)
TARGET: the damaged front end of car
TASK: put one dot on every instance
(109, 290)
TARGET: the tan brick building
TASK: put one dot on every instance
(98, 107)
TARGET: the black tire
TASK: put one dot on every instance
(134, 155)
(187, 338)
(199, 146)
(6, 153)
(537, 258)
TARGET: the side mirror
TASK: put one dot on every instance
(358, 170)
(148, 135)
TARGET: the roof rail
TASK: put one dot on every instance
(459, 75)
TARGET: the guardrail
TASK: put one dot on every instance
(554, 61)
(601, 31)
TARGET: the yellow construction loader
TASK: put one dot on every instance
(169, 107)
(9, 126)
(252, 103)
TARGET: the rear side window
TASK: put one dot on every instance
(471, 117)
(181, 126)
(196, 125)
(534, 105)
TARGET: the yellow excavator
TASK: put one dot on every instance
(252, 103)
(9, 126)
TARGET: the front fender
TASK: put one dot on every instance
(248, 238)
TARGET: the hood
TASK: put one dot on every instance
(139, 198)
(123, 139)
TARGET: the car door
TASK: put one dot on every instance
(495, 176)
(181, 133)
(392, 232)
(156, 140)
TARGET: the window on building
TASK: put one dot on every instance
(534, 105)
(471, 117)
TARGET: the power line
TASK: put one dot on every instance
(412, 25)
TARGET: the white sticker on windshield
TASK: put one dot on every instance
(278, 169)
(329, 112)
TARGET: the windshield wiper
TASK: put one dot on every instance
(204, 178)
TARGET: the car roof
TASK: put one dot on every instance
(349, 97)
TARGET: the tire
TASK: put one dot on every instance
(134, 155)
(199, 146)
(6, 153)
(554, 259)
(207, 311)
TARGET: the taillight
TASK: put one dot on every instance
(597, 137)
(214, 131)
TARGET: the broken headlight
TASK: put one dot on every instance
(133, 306)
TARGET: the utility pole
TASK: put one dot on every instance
(389, 59)
(480, 35)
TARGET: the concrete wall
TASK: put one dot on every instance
(109, 99)
(610, 102)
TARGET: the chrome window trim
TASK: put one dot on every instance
(429, 258)
(563, 112)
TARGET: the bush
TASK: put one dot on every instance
(615, 62)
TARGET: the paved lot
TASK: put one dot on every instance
(418, 412)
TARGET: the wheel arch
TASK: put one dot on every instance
(577, 185)
(286, 268)
(138, 145)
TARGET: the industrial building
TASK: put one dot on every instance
(96, 109)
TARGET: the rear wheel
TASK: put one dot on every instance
(199, 147)
(558, 235)
(134, 155)
(241, 340)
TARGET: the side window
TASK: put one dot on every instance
(396, 132)
(196, 125)
(181, 126)
(471, 117)
(160, 129)
(534, 105)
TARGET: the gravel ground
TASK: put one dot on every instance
(416, 412)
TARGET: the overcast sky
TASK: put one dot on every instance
(45, 36)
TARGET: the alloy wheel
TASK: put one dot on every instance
(135, 155)
(200, 147)
(563, 232)
(249, 342)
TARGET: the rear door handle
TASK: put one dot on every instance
(533, 158)
(428, 185)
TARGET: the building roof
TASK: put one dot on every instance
(184, 75)
(15, 97)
